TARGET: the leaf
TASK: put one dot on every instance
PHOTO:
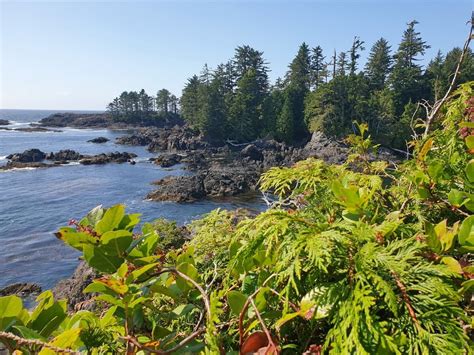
(10, 309)
(425, 149)
(191, 271)
(470, 142)
(134, 275)
(75, 239)
(27, 333)
(97, 258)
(116, 242)
(286, 318)
(470, 170)
(129, 221)
(65, 340)
(466, 232)
(48, 314)
(111, 219)
(236, 301)
(453, 264)
(456, 197)
(257, 343)
(95, 215)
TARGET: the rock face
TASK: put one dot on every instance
(4, 122)
(72, 288)
(20, 289)
(28, 156)
(98, 140)
(134, 139)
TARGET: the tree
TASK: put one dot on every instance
(299, 73)
(357, 47)
(190, 100)
(246, 58)
(342, 64)
(378, 64)
(163, 101)
(406, 77)
(245, 109)
(318, 67)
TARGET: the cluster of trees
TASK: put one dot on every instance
(236, 100)
(132, 106)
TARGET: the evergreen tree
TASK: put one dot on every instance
(406, 77)
(190, 100)
(378, 64)
(247, 58)
(342, 64)
(299, 74)
(318, 67)
(163, 101)
(245, 110)
(357, 47)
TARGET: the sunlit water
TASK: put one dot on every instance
(34, 203)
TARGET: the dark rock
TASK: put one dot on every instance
(168, 160)
(79, 120)
(71, 288)
(28, 156)
(18, 165)
(64, 155)
(103, 158)
(98, 140)
(134, 139)
(252, 152)
(178, 189)
(36, 129)
(20, 289)
(4, 122)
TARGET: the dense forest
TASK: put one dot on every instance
(320, 91)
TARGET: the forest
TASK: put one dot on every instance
(320, 91)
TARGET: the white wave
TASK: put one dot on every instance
(3, 157)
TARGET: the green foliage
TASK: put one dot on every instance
(363, 257)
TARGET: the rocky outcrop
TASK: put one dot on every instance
(71, 288)
(252, 152)
(99, 140)
(28, 156)
(4, 122)
(22, 289)
(64, 155)
(104, 158)
(83, 120)
(139, 139)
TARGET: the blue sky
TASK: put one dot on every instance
(79, 55)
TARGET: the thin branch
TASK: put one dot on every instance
(438, 104)
(35, 342)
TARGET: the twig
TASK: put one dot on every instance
(262, 323)
(438, 104)
(405, 297)
(35, 342)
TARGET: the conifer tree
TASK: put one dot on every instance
(357, 47)
(378, 64)
(190, 100)
(318, 67)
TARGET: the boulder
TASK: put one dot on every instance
(167, 160)
(252, 152)
(104, 158)
(98, 140)
(28, 156)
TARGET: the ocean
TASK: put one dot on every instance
(35, 202)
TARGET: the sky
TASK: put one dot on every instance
(80, 55)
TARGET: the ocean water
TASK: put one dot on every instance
(34, 203)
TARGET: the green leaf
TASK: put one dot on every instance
(470, 142)
(456, 197)
(135, 275)
(470, 170)
(466, 232)
(95, 215)
(111, 219)
(75, 239)
(191, 271)
(27, 333)
(286, 318)
(98, 258)
(116, 242)
(65, 340)
(10, 309)
(236, 301)
(453, 264)
(129, 221)
(48, 314)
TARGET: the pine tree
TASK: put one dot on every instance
(163, 101)
(299, 73)
(342, 64)
(378, 64)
